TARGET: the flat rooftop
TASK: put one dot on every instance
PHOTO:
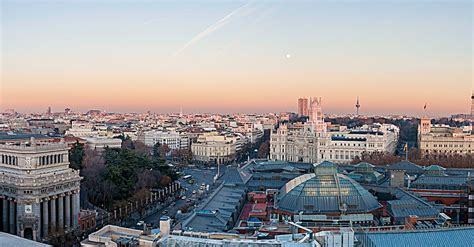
(13, 240)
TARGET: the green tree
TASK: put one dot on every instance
(76, 154)
(121, 173)
(156, 150)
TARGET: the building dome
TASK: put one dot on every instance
(325, 192)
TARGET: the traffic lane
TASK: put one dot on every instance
(171, 210)
(200, 176)
(205, 176)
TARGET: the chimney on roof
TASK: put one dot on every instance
(410, 222)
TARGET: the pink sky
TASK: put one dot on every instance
(233, 56)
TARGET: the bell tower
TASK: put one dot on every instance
(425, 125)
(316, 117)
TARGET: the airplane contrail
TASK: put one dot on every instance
(212, 28)
(261, 17)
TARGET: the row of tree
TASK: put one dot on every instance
(415, 156)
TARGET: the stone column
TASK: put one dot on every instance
(45, 218)
(61, 212)
(67, 200)
(5, 214)
(12, 219)
(75, 209)
(53, 213)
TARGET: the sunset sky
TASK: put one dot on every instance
(237, 56)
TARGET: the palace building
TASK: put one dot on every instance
(314, 142)
(443, 139)
(39, 193)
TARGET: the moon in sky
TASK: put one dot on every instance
(288, 56)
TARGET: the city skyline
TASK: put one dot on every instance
(237, 56)
(336, 123)
(296, 110)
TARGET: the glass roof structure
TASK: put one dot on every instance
(325, 193)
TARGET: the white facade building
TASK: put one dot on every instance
(311, 142)
(212, 147)
(184, 142)
(39, 193)
(170, 138)
(82, 129)
(99, 143)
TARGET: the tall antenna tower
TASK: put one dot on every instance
(357, 105)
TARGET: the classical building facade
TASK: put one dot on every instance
(443, 139)
(214, 147)
(39, 192)
(170, 138)
(313, 142)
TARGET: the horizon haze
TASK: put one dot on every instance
(237, 56)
